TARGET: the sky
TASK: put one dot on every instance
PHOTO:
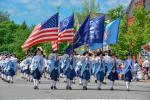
(36, 11)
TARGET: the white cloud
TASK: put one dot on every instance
(11, 11)
(24, 1)
(31, 4)
(20, 14)
(69, 4)
(31, 7)
(76, 2)
(125, 2)
(56, 3)
(117, 2)
(111, 2)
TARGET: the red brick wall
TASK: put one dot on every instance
(130, 20)
(138, 3)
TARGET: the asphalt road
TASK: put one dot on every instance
(21, 89)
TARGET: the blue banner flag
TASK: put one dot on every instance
(111, 32)
(82, 34)
(81, 37)
(96, 32)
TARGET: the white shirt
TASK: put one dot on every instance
(135, 67)
(107, 59)
(146, 63)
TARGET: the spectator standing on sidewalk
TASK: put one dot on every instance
(146, 65)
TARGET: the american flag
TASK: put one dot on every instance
(54, 45)
(46, 32)
(66, 32)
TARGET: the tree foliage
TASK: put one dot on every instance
(131, 37)
(12, 35)
(90, 7)
(116, 12)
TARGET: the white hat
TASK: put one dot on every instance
(39, 48)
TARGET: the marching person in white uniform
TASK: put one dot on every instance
(37, 66)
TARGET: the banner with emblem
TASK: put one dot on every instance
(96, 32)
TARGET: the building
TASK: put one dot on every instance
(135, 4)
(145, 49)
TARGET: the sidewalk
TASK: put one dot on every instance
(145, 81)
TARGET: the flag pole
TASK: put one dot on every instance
(89, 27)
(72, 41)
(58, 7)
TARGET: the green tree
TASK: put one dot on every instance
(90, 7)
(138, 30)
(23, 25)
(116, 12)
(19, 38)
(7, 29)
(12, 36)
(132, 37)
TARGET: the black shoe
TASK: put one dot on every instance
(103, 82)
(12, 82)
(34, 87)
(111, 89)
(65, 81)
(8, 81)
(23, 78)
(37, 87)
(95, 81)
(51, 87)
(67, 87)
(98, 88)
(55, 88)
(128, 89)
(84, 88)
(70, 88)
(73, 82)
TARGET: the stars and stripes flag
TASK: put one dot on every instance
(66, 32)
(46, 32)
